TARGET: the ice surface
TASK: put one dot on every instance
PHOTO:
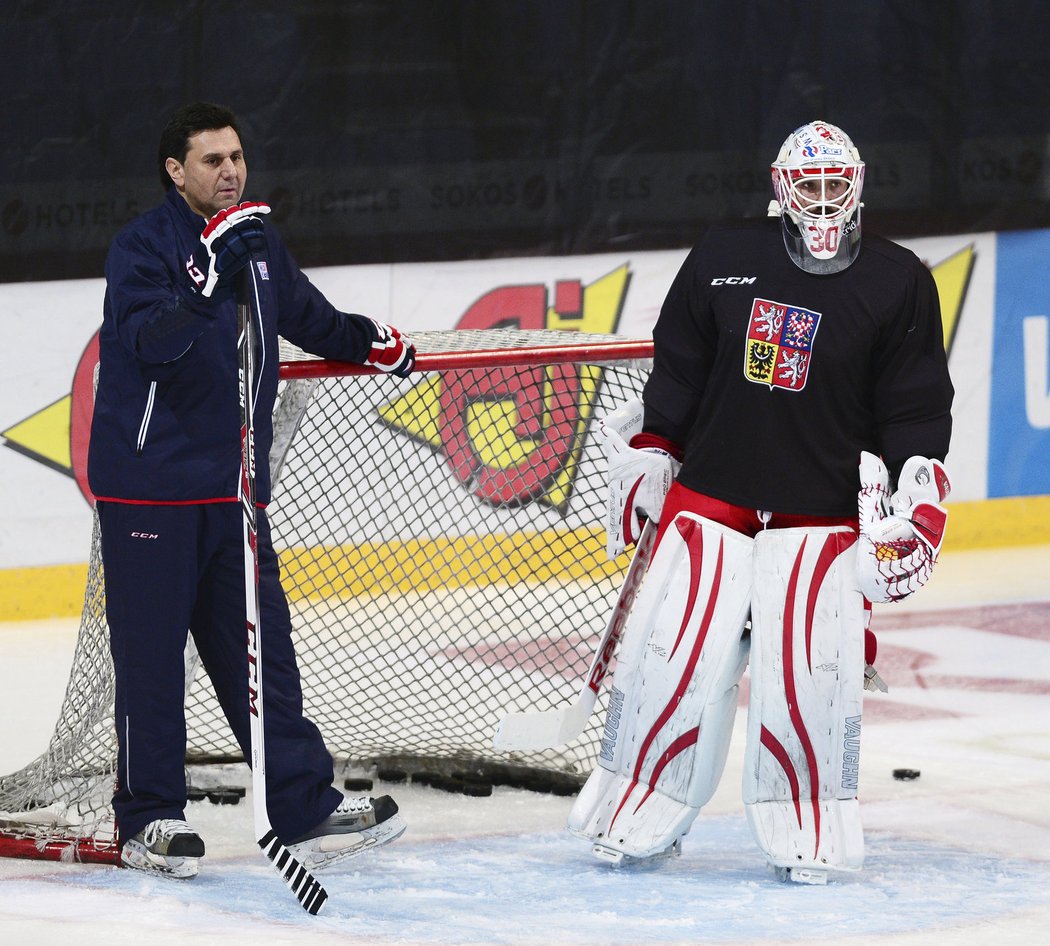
(960, 856)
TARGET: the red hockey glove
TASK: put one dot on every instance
(231, 237)
(391, 351)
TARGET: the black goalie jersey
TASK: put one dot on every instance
(774, 380)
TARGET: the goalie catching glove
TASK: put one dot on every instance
(900, 535)
(391, 351)
(641, 470)
(231, 238)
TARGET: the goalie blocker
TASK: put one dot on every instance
(675, 692)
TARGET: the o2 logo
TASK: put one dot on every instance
(514, 435)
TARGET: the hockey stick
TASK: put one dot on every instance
(310, 894)
(549, 728)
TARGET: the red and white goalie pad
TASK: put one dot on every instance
(900, 536)
(639, 477)
(801, 760)
(674, 693)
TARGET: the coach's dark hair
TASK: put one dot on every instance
(186, 122)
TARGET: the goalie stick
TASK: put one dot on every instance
(548, 728)
(310, 894)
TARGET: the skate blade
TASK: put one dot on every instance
(331, 850)
(609, 855)
(813, 876)
(617, 858)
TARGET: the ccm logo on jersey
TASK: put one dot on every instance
(145, 535)
(733, 280)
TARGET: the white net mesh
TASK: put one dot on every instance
(443, 554)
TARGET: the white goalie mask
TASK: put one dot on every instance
(817, 180)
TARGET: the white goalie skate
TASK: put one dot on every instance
(617, 858)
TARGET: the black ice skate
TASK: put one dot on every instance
(168, 846)
(357, 825)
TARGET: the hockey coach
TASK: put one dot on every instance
(163, 464)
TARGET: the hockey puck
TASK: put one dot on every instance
(196, 794)
(477, 789)
(446, 783)
(395, 776)
(905, 775)
(357, 784)
(225, 796)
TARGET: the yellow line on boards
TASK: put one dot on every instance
(421, 565)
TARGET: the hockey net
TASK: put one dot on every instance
(443, 553)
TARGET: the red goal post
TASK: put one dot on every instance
(602, 352)
(443, 553)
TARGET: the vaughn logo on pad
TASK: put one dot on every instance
(779, 344)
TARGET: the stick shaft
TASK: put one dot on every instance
(310, 894)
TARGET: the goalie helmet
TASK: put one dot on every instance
(817, 180)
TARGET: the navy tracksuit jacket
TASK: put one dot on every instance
(163, 463)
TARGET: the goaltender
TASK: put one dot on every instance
(794, 362)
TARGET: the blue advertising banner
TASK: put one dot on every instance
(1019, 429)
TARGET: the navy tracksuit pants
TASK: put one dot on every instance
(173, 568)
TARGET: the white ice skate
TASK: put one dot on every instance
(167, 846)
(356, 826)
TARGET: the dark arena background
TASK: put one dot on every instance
(515, 184)
(399, 130)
